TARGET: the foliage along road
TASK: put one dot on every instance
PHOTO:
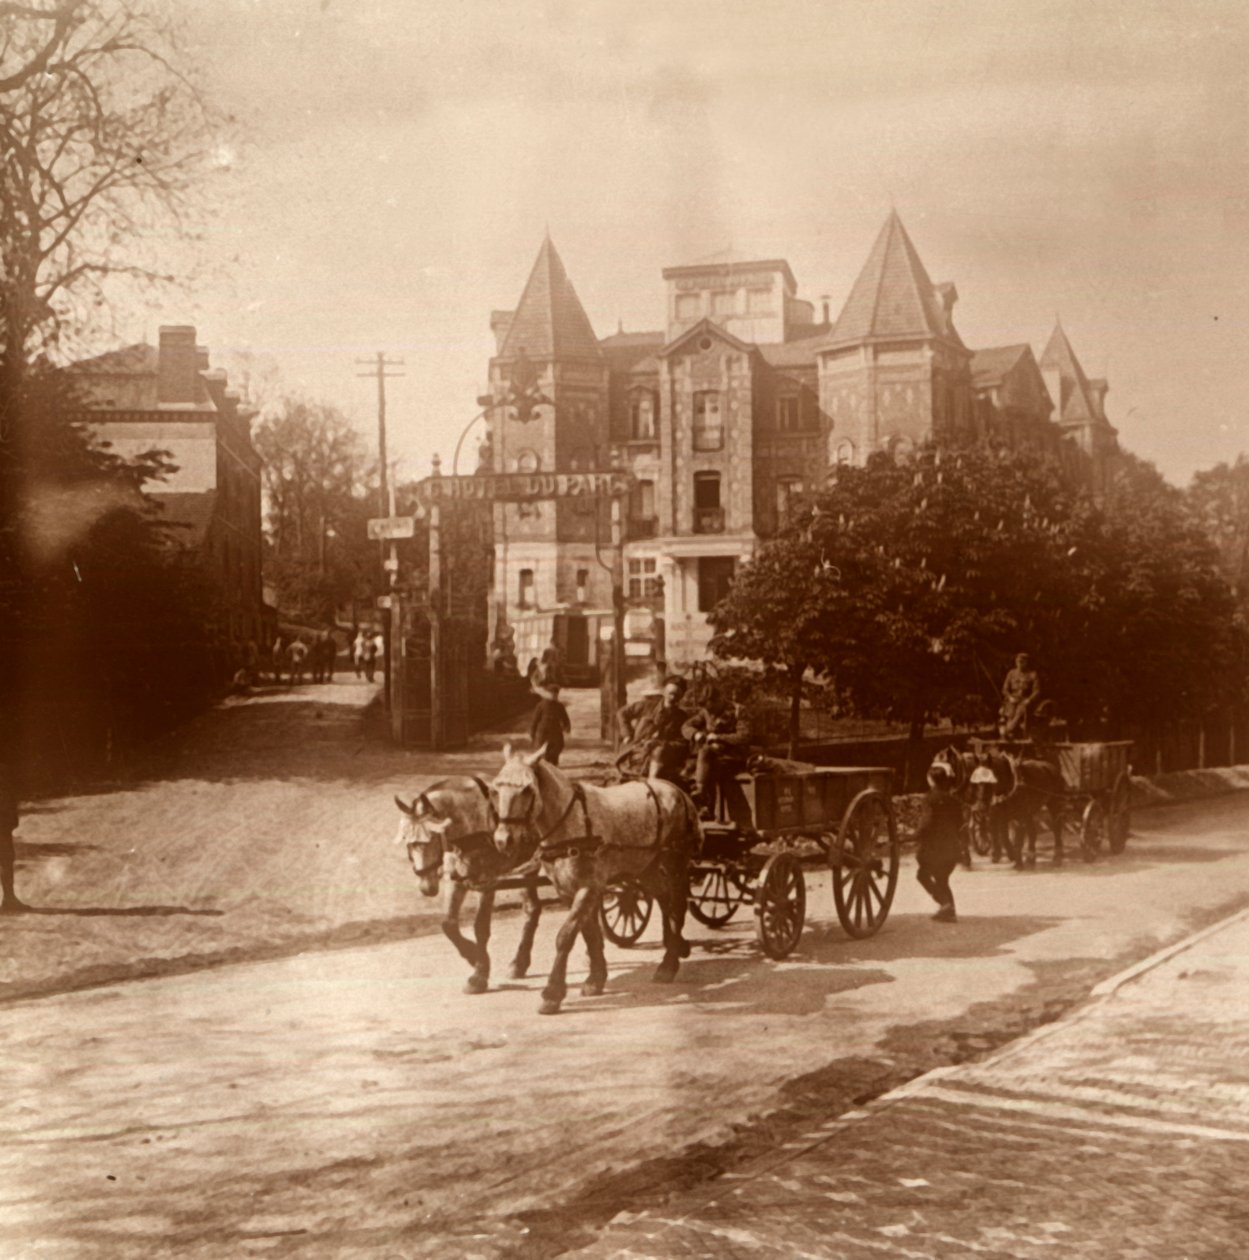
(357, 1103)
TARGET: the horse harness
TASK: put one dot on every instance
(589, 843)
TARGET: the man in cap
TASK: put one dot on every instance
(1019, 693)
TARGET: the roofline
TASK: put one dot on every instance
(692, 269)
(842, 342)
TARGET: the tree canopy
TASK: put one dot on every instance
(907, 587)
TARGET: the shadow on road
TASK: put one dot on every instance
(134, 912)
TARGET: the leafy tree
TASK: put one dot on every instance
(320, 491)
(1220, 499)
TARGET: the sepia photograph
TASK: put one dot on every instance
(624, 629)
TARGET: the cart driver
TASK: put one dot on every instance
(722, 735)
(1019, 694)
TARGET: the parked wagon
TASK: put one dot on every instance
(846, 813)
(1097, 786)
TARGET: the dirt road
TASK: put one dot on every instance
(356, 1103)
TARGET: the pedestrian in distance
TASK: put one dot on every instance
(549, 724)
(277, 658)
(939, 841)
(9, 819)
(299, 658)
(359, 652)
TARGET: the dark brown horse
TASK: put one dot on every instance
(587, 837)
(1008, 792)
(448, 830)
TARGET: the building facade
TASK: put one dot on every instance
(746, 397)
(168, 398)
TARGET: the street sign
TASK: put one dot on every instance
(523, 487)
(382, 528)
(383, 601)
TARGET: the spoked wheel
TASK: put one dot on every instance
(780, 905)
(715, 895)
(1120, 822)
(864, 860)
(625, 912)
(978, 829)
(1093, 830)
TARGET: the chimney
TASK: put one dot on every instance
(177, 379)
(1099, 388)
(825, 303)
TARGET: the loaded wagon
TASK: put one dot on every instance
(1097, 785)
(843, 813)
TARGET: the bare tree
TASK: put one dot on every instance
(30, 36)
(103, 149)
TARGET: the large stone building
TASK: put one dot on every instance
(167, 398)
(746, 397)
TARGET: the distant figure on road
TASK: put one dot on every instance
(9, 819)
(939, 842)
(374, 648)
(360, 652)
(1019, 693)
(299, 658)
(549, 724)
(277, 656)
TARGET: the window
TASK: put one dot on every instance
(643, 578)
(583, 581)
(723, 303)
(642, 501)
(845, 451)
(689, 305)
(786, 489)
(524, 596)
(708, 513)
(708, 427)
(789, 413)
(715, 578)
(642, 417)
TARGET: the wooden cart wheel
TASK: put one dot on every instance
(1092, 830)
(864, 860)
(1120, 823)
(780, 905)
(714, 895)
(625, 912)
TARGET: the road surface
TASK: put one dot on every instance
(357, 1103)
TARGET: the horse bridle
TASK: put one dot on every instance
(430, 868)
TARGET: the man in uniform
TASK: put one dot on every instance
(1019, 693)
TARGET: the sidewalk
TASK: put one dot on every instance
(1119, 1132)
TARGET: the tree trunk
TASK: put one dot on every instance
(795, 708)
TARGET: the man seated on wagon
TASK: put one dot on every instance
(657, 721)
(722, 735)
(1019, 694)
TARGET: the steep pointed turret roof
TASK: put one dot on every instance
(893, 296)
(550, 322)
(1076, 404)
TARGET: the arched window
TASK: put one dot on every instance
(845, 451)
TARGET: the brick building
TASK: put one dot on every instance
(143, 398)
(745, 397)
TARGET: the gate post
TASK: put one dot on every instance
(435, 627)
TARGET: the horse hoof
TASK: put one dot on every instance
(517, 971)
(476, 984)
(591, 990)
(664, 975)
(549, 1008)
(686, 949)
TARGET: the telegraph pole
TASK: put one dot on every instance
(393, 663)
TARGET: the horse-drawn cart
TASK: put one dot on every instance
(846, 813)
(1096, 785)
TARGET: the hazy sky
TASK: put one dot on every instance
(1051, 157)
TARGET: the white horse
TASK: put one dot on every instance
(587, 837)
(448, 831)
